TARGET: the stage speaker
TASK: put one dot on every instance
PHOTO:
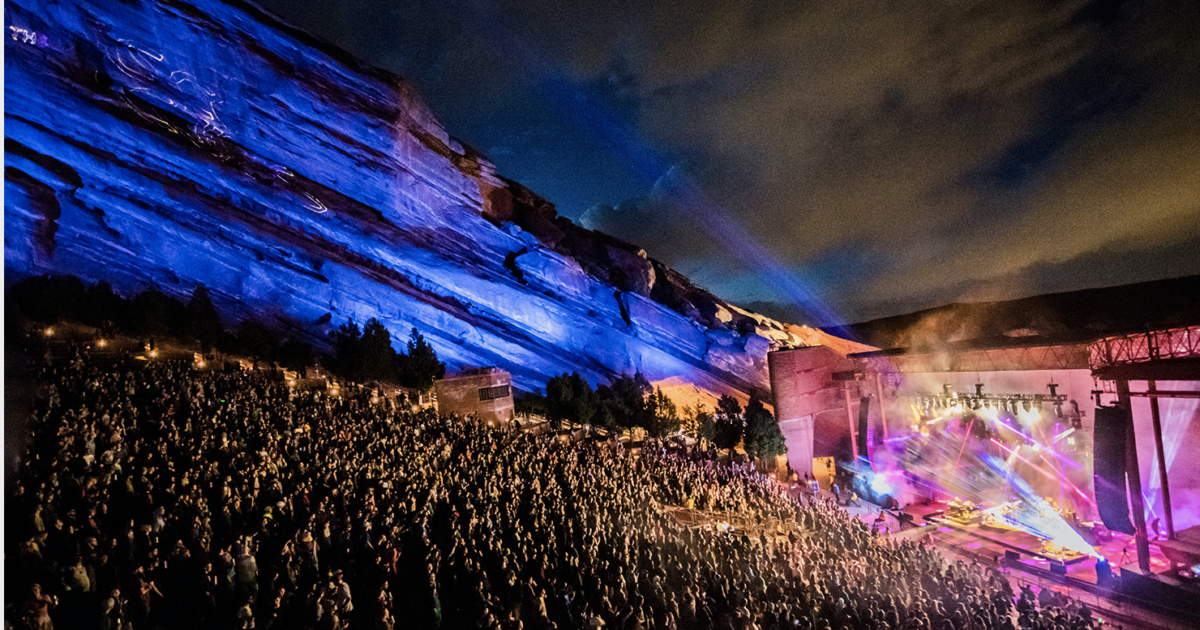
(1058, 568)
(1109, 463)
(863, 408)
(1011, 556)
(1104, 574)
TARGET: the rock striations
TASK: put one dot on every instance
(185, 142)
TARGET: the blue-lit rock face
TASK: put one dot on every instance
(180, 143)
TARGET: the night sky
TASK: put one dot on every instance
(836, 157)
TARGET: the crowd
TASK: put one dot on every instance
(157, 495)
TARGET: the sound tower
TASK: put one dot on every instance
(863, 407)
(1109, 463)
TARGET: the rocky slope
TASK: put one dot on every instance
(186, 142)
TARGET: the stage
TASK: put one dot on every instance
(990, 543)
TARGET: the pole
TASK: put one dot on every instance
(850, 422)
(1162, 463)
(1134, 476)
(882, 407)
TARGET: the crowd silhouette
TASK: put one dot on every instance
(157, 495)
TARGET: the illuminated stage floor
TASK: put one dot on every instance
(992, 543)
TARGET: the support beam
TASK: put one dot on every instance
(882, 406)
(1162, 462)
(1134, 475)
(1156, 393)
(850, 421)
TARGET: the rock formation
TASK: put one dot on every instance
(185, 142)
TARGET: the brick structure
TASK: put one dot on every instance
(485, 393)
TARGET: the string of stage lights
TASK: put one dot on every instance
(957, 402)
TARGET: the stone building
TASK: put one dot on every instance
(485, 393)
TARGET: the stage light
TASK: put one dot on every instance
(1027, 406)
(154, 353)
(49, 332)
(101, 343)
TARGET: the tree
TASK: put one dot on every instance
(570, 397)
(659, 415)
(529, 403)
(158, 314)
(729, 423)
(606, 416)
(706, 425)
(626, 398)
(257, 341)
(106, 310)
(376, 359)
(347, 347)
(48, 299)
(203, 321)
(295, 354)
(728, 407)
(420, 367)
(764, 440)
(689, 418)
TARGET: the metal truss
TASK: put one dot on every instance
(1172, 343)
(1049, 357)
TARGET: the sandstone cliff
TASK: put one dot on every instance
(185, 142)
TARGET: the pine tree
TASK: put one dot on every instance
(626, 398)
(764, 440)
(661, 417)
(377, 358)
(729, 423)
(347, 347)
(157, 314)
(257, 341)
(706, 425)
(569, 397)
(203, 320)
(420, 366)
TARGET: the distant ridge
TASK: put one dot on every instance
(1084, 313)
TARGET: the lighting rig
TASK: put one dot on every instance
(1013, 403)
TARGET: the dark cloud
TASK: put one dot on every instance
(890, 156)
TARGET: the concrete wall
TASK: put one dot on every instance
(809, 404)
